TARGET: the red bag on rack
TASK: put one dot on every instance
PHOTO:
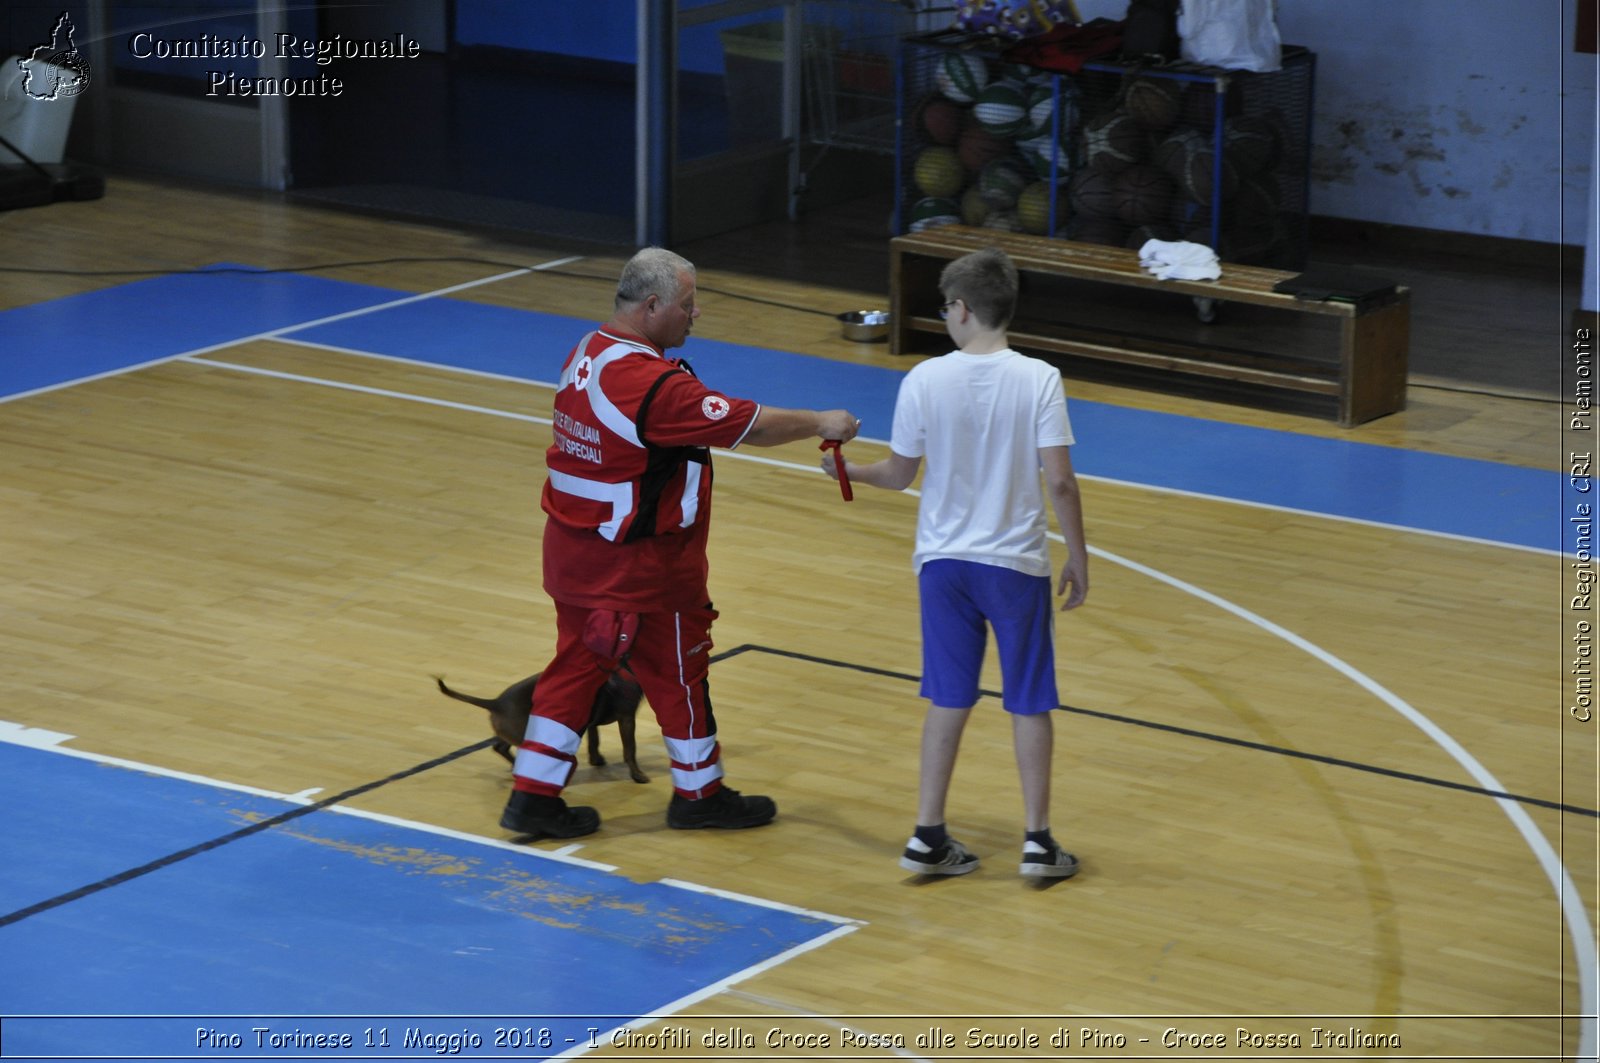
(1069, 47)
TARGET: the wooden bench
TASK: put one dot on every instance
(1364, 378)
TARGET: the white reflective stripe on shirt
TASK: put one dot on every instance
(691, 493)
(619, 495)
(614, 419)
(572, 364)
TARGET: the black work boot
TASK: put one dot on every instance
(547, 817)
(726, 808)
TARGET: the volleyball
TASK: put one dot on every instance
(1001, 181)
(1033, 208)
(938, 173)
(1001, 109)
(973, 208)
(934, 211)
(962, 76)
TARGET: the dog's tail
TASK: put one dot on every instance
(482, 703)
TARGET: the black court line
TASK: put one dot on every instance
(225, 839)
(1190, 732)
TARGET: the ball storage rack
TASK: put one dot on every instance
(1120, 152)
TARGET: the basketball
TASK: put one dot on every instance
(1093, 194)
(1154, 103)
(1142, 235)
(1001, 181)
(1199, 106)
(1251, 143)
(973, 208)
(1199, 175)
(1188, 158)
(940, 120)
(1112, 142)
(1257, 202)
(978, 146)
(1033, 208)
(938, 172)
(931, 212)
(1001, 109)
(962, 76)
(1143, 195)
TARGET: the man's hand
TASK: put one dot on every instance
(837, 424)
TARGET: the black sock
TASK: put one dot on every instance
(933, 836)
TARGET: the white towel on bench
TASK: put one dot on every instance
(1179, 260)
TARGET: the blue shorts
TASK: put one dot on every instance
(958, 597)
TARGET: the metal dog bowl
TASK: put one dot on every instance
(864, 326)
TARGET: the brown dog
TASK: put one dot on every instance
(617, 702)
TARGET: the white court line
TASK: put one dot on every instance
(1135, 484)
(49, 741)
(1579, 929)
(280, 333)
(714, 988)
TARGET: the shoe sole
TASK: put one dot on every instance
(1049, 870)
(546, 832)
(759, 821)
(937, 869)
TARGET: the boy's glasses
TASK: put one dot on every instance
(944, 311)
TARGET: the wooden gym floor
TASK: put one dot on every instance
(1320, 772)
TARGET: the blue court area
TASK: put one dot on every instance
(55, 343)
(325, 923)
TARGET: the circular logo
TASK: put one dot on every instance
(583, 373)
(715, 407)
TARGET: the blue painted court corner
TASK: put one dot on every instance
(337, 935)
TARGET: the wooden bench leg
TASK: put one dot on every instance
(1374, 349)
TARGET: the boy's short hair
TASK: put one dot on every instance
(987, 282)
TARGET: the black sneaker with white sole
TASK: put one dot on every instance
(726, 809)
(1052, 862)
(951, 858)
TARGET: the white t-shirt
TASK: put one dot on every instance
(978, 421)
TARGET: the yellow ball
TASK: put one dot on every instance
(1033, 208)
(973, 208)
(938, 172)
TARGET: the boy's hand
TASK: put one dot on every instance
(1076, 573)
(829, 463)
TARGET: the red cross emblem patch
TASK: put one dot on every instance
(715, 407)
(582, 374)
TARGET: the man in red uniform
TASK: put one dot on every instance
(628, 504)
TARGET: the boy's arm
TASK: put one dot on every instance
(1061, 484)
(894, 472)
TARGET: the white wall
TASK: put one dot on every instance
(1465, 115)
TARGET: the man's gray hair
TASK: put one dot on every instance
(653, 271)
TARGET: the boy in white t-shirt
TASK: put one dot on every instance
(987, 419)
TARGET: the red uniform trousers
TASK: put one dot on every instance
(671, 658)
